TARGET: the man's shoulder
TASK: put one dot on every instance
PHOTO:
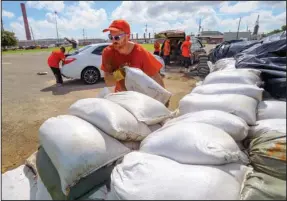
(140, 49)
(109, 49)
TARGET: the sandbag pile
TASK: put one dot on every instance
(81, 149)
(266, 143)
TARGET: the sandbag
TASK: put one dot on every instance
(259, 186)
(131, 145)
(271, 110)
(154, 127)
(239, 105)
(231, 124)
(137, 80)
(190, 143)
(84, 186)
(238, 76)
(224, 64)
(144, 108)
(268, 154)
(143, 176)
(251, 91)
(19, 184)
(105, 91)
(42, 192)
(77, 148)
(111, 118)
(265, 126)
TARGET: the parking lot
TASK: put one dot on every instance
(29, 99)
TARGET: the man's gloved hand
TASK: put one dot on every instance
(119, 74)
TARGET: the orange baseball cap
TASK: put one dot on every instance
(119, 25)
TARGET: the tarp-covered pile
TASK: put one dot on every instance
(267, 55)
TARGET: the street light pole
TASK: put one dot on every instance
(56, 26)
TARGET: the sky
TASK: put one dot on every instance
(94, 16)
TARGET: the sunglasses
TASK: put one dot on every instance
(118, 37)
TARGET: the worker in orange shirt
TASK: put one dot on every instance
(54, 63)
(166, 52)
(156, 48)
(123, 52)
(186, 53)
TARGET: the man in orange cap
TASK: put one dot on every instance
(186, 53)
(166, 51)
(123, 52)
(156, 48)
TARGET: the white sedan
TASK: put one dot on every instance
(85, 63)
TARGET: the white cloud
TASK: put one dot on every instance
(47, 5)
(7, 14)
(71, 22)
(240, 7)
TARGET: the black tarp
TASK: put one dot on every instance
(268, 56)
(229, 49)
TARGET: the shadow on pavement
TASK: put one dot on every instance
(72, 85)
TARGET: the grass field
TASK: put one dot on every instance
(148, 47)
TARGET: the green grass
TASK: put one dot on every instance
(148, 47)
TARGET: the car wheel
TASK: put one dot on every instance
(91, 75)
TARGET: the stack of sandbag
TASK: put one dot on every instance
(222, 64)
(137, 80)
(233, 91)
(144, 176)
(75, 156)
(266, 143)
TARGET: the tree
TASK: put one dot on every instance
(8, 39)
(283, 28)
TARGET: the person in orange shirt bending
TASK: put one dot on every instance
(186, 53)
(124, 52)
(53, 61)
(166, 52)
(156, 48)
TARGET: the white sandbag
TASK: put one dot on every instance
(224, 64)
(143, 107)
(239, 105)
(137, 80)
(111, 118)
(144, 176)
(154, 127)
(105, 91)
(238, 171)
(193, 143)
(131, 145)
(251, 91)
(271, 110)
(19, 184)
(267, 125)
(238, 76)
(231, 124)
(210, 66)
(77, 148)
(42, 192)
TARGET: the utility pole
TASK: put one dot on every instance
(2, 25)
(83, 35)
(56, 26)
(32, 35)
(238, 28)
(145, 32)
(199, 26)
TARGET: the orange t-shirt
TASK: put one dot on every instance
(156, 47)
(166, 49)
(138, 58)
(55, 58)
(186, 45)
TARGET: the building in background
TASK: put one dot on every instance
(211, 37)
(233, 35)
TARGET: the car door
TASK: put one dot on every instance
(96, 57)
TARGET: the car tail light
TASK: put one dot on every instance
(69, 60)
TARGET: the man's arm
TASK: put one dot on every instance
(157, 77)
(109, 79)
